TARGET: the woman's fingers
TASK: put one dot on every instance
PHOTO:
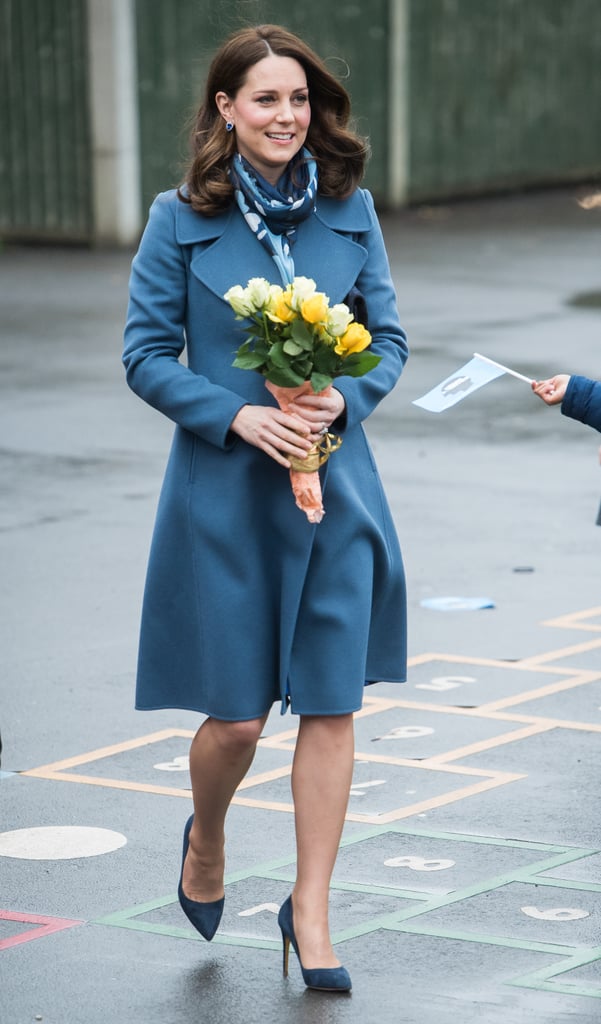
(276, 433)
(321, 410)
(283, 435)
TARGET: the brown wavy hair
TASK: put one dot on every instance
(339, 152)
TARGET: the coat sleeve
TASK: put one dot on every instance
(155, 336)
(362, 394)
(582, 401)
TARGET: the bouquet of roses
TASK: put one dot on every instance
(298, 342)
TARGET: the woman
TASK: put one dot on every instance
(246, 602)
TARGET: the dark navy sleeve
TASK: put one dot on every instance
(582, 401)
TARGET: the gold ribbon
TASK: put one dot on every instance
(317, 454)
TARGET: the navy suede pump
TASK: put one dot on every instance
(327, 979)
(204, 916)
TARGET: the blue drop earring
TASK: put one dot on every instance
(229, 127)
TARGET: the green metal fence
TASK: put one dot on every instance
(45, 177)
(456, 96)
(502, 93)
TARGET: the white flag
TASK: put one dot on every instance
(479, 371)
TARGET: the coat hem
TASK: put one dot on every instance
(201, 711)
(284, 707)
(323, 714)
(349, 711)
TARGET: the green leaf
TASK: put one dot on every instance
(292, 348)
(325, 360)
(248, 358)
(278, 357)
(303, 366)
(319, 382)
(249, 361)
(283, 377)
(301, 334)
(359, 363)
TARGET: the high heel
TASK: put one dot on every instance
(328, 979)
(204, 916)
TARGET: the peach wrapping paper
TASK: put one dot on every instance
(306, 485)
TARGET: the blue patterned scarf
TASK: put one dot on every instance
(273, 212)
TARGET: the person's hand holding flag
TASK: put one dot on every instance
(552, 391)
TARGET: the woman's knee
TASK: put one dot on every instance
(328, 728)
(237, 736)
(329, 723)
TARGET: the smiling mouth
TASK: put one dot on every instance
(280, 136)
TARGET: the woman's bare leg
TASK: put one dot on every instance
(321, 779)
(220, 756)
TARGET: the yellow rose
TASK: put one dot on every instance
(355, 339)
(279, 309)
(314, 309)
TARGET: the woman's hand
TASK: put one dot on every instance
(276, 433)
(552, 390)
(320, 411)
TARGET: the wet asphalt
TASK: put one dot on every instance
(468, 885)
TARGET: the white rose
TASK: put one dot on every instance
(339, 317)
(275, 290)
(302, 288)
(239, 300)
(258, 292)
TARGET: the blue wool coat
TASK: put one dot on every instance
(245, 601)
(582, 401)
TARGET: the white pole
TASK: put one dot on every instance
(513, 373)
(114, 121)
(398, 104)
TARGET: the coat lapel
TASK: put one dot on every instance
(333, 260)
(224, 251)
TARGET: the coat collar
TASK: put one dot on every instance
(350, 215)
(191, 227)
(323, 249)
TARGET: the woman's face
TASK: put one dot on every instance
(270, 113)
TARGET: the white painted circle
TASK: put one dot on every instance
(59, 842)
(419, 863)
(453, 679)
(179, 764)
(408, 732)
(556, 913)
